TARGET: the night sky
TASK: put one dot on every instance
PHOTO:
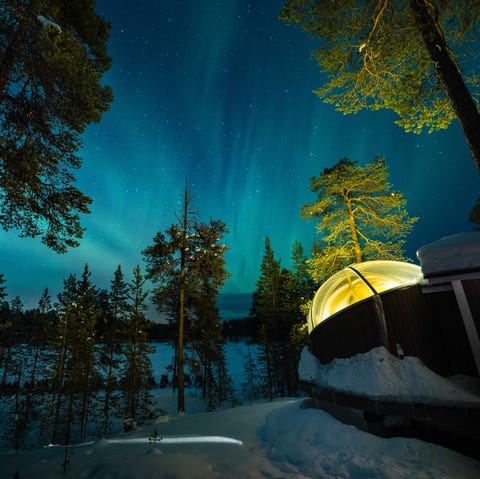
(220, 93)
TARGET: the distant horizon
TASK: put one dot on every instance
(231, 305)
(234, 305)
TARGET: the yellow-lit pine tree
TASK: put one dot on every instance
(415, 57)
(359, 217)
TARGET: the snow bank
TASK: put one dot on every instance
(381, 375)
(309, 443)
(459, 252)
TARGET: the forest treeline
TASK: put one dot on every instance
(84, 359)
(71, 367)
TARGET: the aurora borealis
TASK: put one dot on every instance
(219, 93)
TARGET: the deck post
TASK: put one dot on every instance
(467, 317)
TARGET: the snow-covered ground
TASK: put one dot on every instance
(279, 439)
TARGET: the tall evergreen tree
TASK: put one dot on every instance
(137, 370)
(59, 345)
(169, 266)
(114, 317)
(43, 323)
(304, 286)
(266, 309)
(52, 58)
(208, 276)
(403, 55)
(359, 217)
(43, 326)
(73, 368)
(30, 331)
(252, 387)
(7, 333)
(188, 265)
(276, 307)
(89, 381)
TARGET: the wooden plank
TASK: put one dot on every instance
(459, 416)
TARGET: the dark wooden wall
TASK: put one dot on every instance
(428, 326)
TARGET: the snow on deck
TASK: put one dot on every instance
(381, 375)
(459, 252)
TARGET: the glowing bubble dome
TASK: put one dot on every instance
(357, 282)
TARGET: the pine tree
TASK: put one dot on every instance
(187, 265)
(359, 217)
(302, 288)
(266, 309)
(252, 387)
(4, 320)
(221, 389)
(405, 55)
(208, 274)
(276, 307)
(53, 418)
(21, 396)
(15, 370)
(168, 266)
(89, 380)
(8, 337)
(73, 368)
(137, 370)
(52, 58)
(111, 344)
(44, 323)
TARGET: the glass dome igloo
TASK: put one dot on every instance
(357, 282)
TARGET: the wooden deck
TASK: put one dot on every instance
(464, 418)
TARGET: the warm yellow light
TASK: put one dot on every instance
(347, 287)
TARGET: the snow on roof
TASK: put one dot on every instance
(451, 254)
(381, 375)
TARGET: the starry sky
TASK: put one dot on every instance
(219, 93)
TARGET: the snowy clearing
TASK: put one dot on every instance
(280, 439)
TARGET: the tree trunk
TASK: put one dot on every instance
(58, 384)
(353, 231)
(181, 326)
(465, 109)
